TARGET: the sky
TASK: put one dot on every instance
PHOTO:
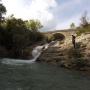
(53, 14)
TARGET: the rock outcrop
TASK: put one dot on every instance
(65, 55)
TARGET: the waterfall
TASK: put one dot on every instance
(35, 53)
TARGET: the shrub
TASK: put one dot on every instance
(49, 38)
(83, 30)
(38, 36)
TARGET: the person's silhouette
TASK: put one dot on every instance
(73, 41)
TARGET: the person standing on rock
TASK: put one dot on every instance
(74, 41)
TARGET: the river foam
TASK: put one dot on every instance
(35, 53)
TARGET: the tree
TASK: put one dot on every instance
(72, 26)
(15, 24)
(16, 31)
(84, 20)
(2, 11)
(33, 25)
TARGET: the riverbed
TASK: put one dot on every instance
(41, 76)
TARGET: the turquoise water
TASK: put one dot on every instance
(40, 76)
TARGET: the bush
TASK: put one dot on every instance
(37, 36)
(48, 38)
(83, 30)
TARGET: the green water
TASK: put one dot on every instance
(40, 76)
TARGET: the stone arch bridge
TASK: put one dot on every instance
(67, 33)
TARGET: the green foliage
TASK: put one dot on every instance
(16, 24)
(33, 25)
(84, 25)
(72, 26)
(49, 38)
(2, 12)
(16, 35)
(2, 9)
(83, 30)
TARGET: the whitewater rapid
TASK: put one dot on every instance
(35, 53)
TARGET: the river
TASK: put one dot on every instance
(41, 76)
(30, 75)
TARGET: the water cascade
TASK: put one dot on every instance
(35, 53)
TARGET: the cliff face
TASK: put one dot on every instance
(66, 56)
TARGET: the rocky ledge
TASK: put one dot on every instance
(65, 55)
